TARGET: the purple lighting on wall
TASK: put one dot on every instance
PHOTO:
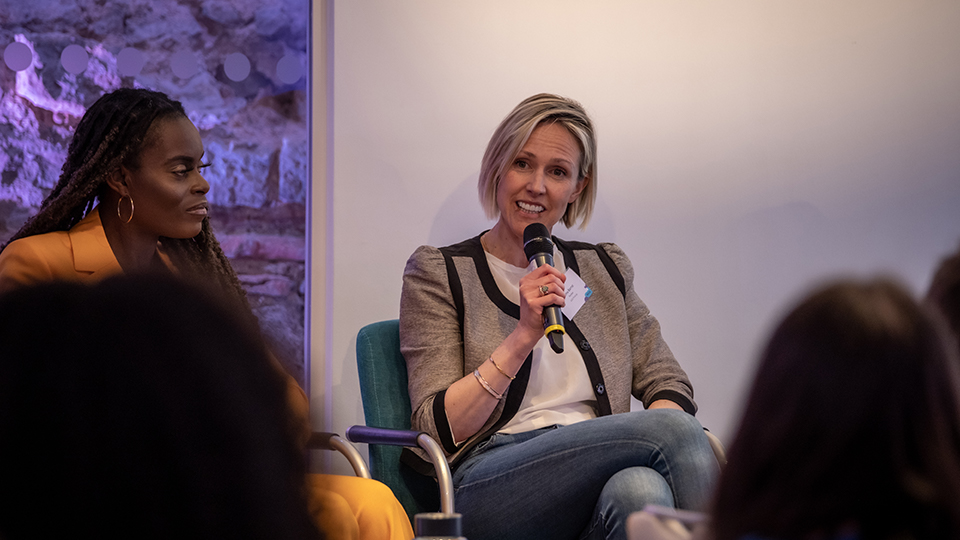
(236, 66)
(184, 64)
(129, 62)
(18, 56)
(74, 59)
(289, 69)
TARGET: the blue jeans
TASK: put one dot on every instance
(583, 480)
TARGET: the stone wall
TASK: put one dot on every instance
(238, 67)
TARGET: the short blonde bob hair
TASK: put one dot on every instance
(512, 134)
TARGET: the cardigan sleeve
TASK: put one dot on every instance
(431, 342)
(656, 372)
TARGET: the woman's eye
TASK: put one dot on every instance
(185, 171)
(521, 164)
(559, 172)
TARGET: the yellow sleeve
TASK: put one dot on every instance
(332, 514)
(378, 513)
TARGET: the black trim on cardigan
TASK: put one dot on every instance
(677, 398)
(612, 269)
(567, 249)
(568, 257)
(456, 287)
(592, 364)
(473, 248)
(510, 408)
(443, 425)
(490, 285)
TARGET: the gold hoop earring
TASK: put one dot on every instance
(120, 214)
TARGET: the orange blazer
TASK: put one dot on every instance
(80, 254)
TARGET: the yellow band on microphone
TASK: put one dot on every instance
(554, 328)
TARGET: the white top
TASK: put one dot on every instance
(559, 390)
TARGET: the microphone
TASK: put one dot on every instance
(538, 246)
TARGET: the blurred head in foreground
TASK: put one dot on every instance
(142, 408)
(944, 294)
(852, 425)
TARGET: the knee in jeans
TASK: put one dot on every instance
(678, 423)
(635, 487)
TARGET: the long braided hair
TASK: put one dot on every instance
(111, 134)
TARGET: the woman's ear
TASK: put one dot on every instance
(117, 181)
(581, 185)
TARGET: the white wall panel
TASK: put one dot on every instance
(748, 149)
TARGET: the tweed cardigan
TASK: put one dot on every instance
(453, 316)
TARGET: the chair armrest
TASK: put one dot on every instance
(321, 440)
(718, 450)
(399, 437)
(388, 436)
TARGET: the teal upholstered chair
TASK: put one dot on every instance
(386, 404)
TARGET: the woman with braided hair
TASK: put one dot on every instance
(131, 200)
(137, 154)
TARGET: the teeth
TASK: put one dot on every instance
(535, 208)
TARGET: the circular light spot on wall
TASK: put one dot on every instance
(74, 59)
(184, 64)
(129, 62)
(18, 56)
(289, 69)
(236, 66)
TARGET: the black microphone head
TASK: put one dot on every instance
(534, 230)
(536, 239)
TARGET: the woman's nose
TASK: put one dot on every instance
(537, 182)
(202, 185)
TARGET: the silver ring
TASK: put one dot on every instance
(544, 289)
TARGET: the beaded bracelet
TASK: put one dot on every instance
(486, 386)
(492, 361)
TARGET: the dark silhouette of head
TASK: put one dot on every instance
(944, 293)
(142, 408)
(852, 423)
